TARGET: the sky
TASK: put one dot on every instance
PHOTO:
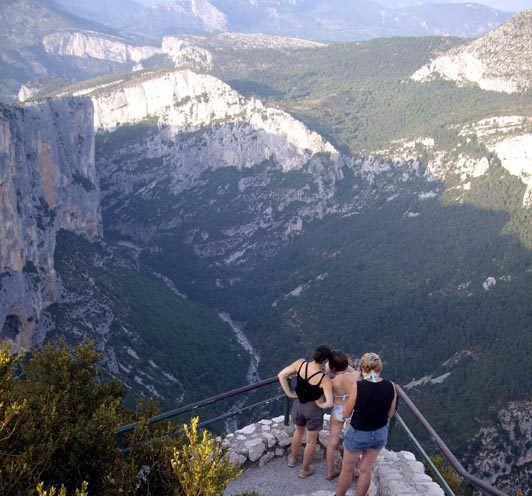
(505, 5)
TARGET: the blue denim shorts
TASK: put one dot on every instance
(357, 441)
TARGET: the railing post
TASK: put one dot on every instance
(468, 488)
(287, 405)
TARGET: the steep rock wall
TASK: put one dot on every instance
(498, 61)
(95, 45)
(184, 101)
(47, 183)
(92, 45)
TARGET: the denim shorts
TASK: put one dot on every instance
(357, 441)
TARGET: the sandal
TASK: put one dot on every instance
(292, 460)
(333, 476)
(306, 473)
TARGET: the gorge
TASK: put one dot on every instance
(384, 213)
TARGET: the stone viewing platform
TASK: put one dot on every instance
(261, 449)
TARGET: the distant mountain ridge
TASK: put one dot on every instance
(501, 60)
(315, 19)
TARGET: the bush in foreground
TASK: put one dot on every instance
(58, 419)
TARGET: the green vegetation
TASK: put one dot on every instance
(407, 287)
(149, 324)
(359, 95)
(57, 430)
(448, 473)
(201, 464)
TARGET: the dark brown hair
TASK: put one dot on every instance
(338, 361)
(321, 353)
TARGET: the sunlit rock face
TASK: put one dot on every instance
(99, 46)
(498, 61)
(47, 183)
(186, 101)
(95, 45)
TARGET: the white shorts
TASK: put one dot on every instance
(338, 412)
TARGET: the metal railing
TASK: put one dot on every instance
(470, 481)
(172, 414)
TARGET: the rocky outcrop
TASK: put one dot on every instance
(47, 183)
(499, 61)
(188, 125)
(508, 137)
(257, 444)
(251, 41)
(95, 45)
(185, 54)
(184, 101)
(509, 464)
(91, 44)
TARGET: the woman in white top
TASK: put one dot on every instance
(342, 380)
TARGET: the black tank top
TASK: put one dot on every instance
(372, 405)
(305, 391)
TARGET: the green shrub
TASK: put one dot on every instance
(201, 465)
(58, 420)
(52, 491)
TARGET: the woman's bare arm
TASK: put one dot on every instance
(286, 373)
(350, 403)
(391, 411)
(326, 384)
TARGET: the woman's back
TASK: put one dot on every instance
(341, 385)
(373, 402)
(309, 379)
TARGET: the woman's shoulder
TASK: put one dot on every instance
(298, 363)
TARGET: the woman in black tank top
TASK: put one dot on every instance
(312, 384)
(372, 402)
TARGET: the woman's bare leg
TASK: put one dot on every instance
(366, 464)
(346, 475)
(310, 447)
(297, 438)
(335, 428)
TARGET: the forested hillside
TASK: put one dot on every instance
(359, 95)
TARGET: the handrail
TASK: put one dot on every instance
(193, 406)
(447, 453)
(481, 484)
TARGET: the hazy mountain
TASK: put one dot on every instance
(359, 19)
(103, 11)
(62, 47)
(319, 19)
(22, 55)
(177, 17)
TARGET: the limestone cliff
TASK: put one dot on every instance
(184, 101)
(47, 183)
(96, 45)
(114, 49)
(498, 61)
(187, 125)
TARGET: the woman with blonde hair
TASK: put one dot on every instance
(343, 376)
(371, 404)
(307, 412)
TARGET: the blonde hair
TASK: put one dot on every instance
(370, 362)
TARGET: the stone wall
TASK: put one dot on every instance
(394, 474)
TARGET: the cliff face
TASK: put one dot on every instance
(47, 183)
(113, 49)
(95, 45)
(184, 101)
(498, 61)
